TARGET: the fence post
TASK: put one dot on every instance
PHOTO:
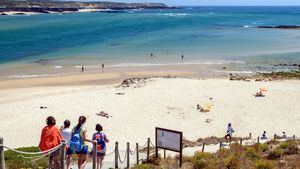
(128, 157)
(220, 145)
(250, 135)
(116, 155)
(2, 162)
(94, 155)
(137, 153)
(294, 137)
(241, 141)
(63, 154)
(148, 149)
(203, 145)
(258, 140)
(164, 153)
(274, 136)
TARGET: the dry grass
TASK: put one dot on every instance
(271, 155)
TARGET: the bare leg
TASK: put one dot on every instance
(101, 162)
(55, 161)
(79, 160)
(69, 158)
(51, 161)
(83, 161)
(98, 162)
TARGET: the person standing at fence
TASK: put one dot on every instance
(66, 133)
(78, 142)
(264, 136)
(101, 139)
(229, 132)
(50, 138)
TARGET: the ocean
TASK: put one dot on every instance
(204, 35)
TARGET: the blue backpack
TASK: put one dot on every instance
(101, 144)
(76, 140)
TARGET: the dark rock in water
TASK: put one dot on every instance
(281, 27)
(285, 64)
(224, 67)
(3, 14)
(19, 13)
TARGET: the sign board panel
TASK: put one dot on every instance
(169, 139)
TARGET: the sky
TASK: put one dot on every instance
(221, 2)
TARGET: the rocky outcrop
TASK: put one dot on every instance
(44, 6)
(281, 27)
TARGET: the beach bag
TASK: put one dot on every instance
(101, 144)
(76, 140)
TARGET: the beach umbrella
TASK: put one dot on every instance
(208, 106)
(263, 89)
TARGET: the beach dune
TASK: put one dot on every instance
(160, 102)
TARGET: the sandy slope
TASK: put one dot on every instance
(168, 103)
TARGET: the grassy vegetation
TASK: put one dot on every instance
(269, 155)
(15, 161)
(281, 75)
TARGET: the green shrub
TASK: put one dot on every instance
(263, 147)
(251, 154)
(203, 160)
(277, 153)
(231, 162)
(143, 166)
(263, 164)
(15, 161)
(289, 147)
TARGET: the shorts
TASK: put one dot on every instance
(69, 151)
(228, 135)
(100, 154)
(54, 154)
(84, 150)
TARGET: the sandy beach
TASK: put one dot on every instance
(135, 111)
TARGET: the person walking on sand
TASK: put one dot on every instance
(229, 132)
(102, 66)
(78, 142)
(50, 138)
(101, 139)
(66, 133)
(82, 68)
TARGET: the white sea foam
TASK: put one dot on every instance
(174, 14)
(57, 67)
(236, 72)
(248, 26)
(172, 64)
(34, 75)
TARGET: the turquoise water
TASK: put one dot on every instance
(202, 34)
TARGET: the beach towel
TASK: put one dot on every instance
(50, 138)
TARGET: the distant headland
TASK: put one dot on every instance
(21, 7)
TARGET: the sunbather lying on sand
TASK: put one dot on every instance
(103, 114)
(201, 109)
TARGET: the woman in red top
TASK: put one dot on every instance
(50, 138)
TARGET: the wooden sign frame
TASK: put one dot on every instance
(157, 147)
